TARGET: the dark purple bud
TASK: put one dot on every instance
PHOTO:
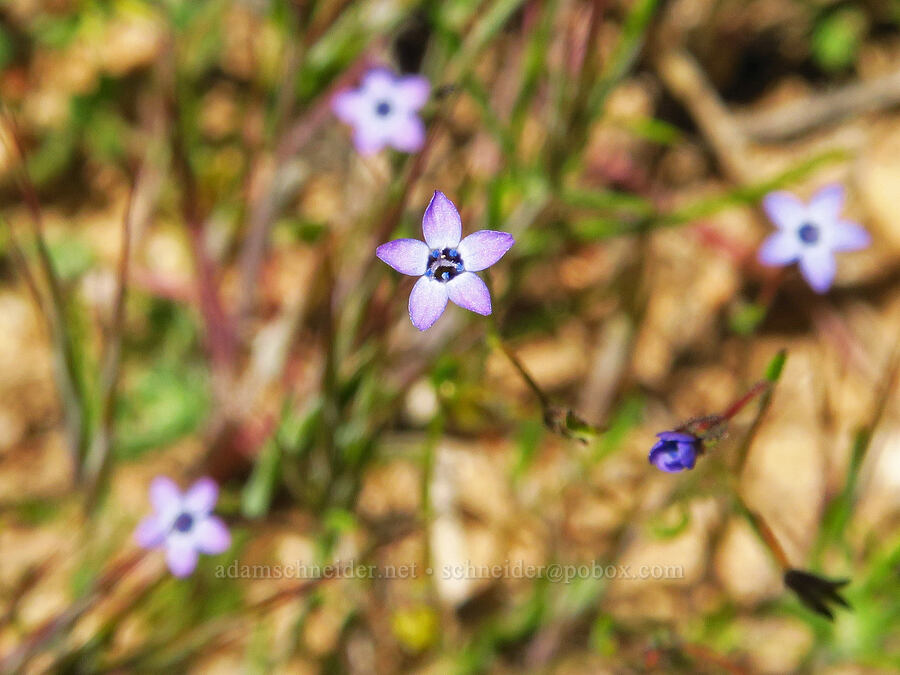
(816, 592)
(675, 451)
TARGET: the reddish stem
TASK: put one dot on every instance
(736, 407)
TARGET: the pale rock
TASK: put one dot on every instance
(393, 488)
(745, 567)
(776, 645)
(684, 302)
(421, 402)
(877, 178)
(784, 475)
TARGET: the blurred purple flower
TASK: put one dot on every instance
(811, 234)
(183, 524)
(675, 451)
(445, 264)
(383, 111)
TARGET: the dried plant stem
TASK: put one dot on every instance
(220, 335)
(766, 388)
(808, 113)
(498, 343)
(70, 376)
(62, 623)
(706, 655)
(687, 82)
(203, 635)
(763, 531)
(280, 184)
(21, 263)
(99, 453)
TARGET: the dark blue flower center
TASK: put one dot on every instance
(383, 108)
(184, 522)
(444, 264)
(808, 233)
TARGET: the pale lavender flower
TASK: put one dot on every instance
(383, 111)
(445, 264)
(183, 524)
(811, 234)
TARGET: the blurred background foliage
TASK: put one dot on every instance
(188, 287)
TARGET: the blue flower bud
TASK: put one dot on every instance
(675, 451)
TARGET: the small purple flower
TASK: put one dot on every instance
(445, 264)
(183, 524)
(383, 111)
(811, 234)
(675, 451)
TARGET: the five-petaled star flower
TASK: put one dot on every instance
(675, 451)
(183, 523)
(445, 264)
(811, 234)
(383, 111)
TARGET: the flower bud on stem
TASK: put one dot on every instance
(559, 420)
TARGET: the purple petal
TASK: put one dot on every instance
(378, 82)
(408, 135)
(687, 455)
(413, 90)
(441, 223)
(781, 248)
(819, 268)
(407, 256)
(150, 532)
(676, 436)
(658, 449)
(181, 556)
(346, 106)
(211, 536)
(784, 209)
(826, 205)
(427, 302)
(470, 292)
(202, 496)
(847, 236)
(164, 495)
(482, 249)
(663, 458)
(367, 140)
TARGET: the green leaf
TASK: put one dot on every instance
(256, 497)
(776, 365)
(7, 50)
(531, 432)
(653, 130)
(671, 522)
(746, 317)
(607, 200)
(626, 417)
(837, 37)
(71, 258)
(416, 628)
(602, 638)
(339, 521)
(630, 43)
(161, 407)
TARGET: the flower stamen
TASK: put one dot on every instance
(184, 522)
(808, 233)
(444, 264)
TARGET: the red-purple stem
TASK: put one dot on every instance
(738, 405)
